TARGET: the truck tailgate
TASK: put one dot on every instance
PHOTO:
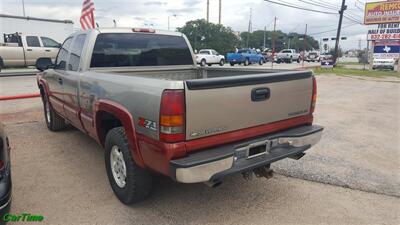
(219, 105)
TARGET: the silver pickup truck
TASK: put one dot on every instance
(20, 50)
(139, 93)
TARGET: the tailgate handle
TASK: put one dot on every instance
(260, 94)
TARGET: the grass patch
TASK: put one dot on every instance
(339, 70)
(350, 63)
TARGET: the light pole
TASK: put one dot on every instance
(23, 7)
(174, 15)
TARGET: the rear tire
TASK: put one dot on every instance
(232, 64)
(209, 64)
(54, 121)
(133, 183)
(222, 62)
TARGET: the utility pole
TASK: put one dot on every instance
(341, 12)
(249, 29)
(265, 31)
(220, 9)
(23, 7)
(208, 10)
(273, 44)
(305, 45)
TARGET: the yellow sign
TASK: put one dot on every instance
(382, 12)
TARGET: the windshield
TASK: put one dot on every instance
(204, 52)
(125, 49)
(286, 51)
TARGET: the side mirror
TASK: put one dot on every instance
(43, 63)
(59, 45)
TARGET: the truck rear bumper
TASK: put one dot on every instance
(216, 163)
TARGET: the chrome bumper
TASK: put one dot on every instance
(235, 158)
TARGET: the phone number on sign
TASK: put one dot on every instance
(383, 36)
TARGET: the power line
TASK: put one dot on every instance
(301, 8)
(326, 3)
(328, 31)
(352, 19)
(317, 4)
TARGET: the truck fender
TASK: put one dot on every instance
(125, 117)
(42, 85)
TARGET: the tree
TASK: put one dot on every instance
(203, 34)
(256, 40)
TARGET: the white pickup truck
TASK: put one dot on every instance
(23, 50)
(288, 56)
(209, 57)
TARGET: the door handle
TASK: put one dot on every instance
(29, 49)
(260, 94)
(47, 50)
(60, 81)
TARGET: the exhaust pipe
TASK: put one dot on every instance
(264, 171)
(213, 184)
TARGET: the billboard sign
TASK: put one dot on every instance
(382, 12)
(387, 49)
(388, 31)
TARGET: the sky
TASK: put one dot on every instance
(235, 14)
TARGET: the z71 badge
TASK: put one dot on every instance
(208, 131)
(149, 124)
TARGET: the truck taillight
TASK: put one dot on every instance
(172, 116)
(143, 30)
(314, 95)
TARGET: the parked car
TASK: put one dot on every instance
(209, 57)
(288, 56)
(5, 174)
(20, 50)
(267, 53)
(383, 64)
(325, 57)
(245, 56)
(140, 94)
(312, 57)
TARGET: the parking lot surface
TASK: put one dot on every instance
(350, 177)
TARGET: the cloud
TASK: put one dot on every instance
(235, 14)
(159, 3)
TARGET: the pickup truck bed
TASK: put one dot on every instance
(206, 96)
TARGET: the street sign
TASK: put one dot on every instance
(389, 31)
(382, 12)
(387, 49)
(327, 63)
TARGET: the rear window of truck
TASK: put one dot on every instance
(124, 49)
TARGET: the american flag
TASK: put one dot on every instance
(87, 17)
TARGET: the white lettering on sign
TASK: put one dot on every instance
(389, 31)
